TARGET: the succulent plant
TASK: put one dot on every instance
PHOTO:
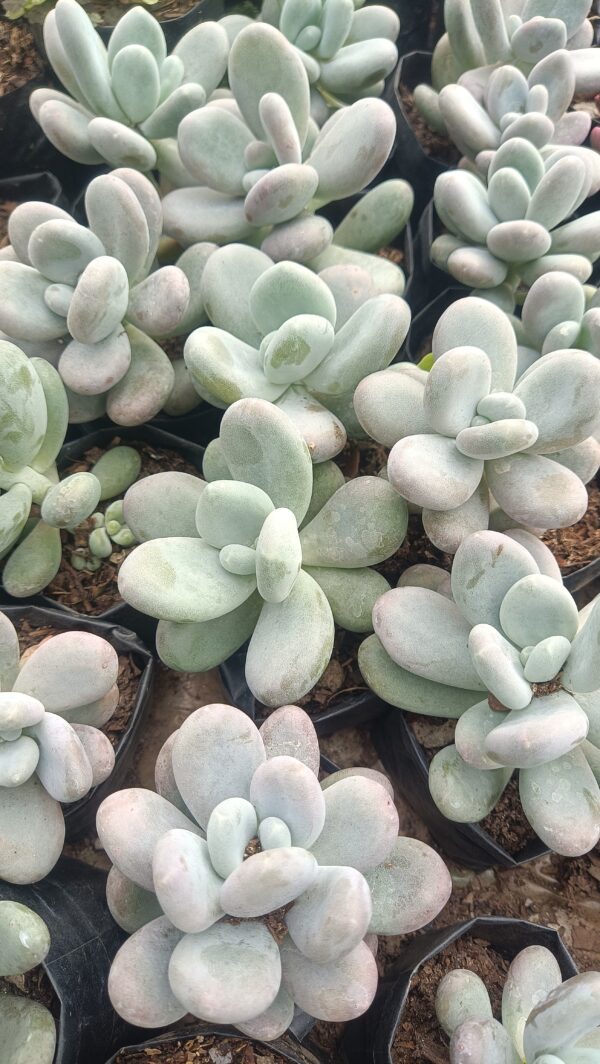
(91, 295)
(513, 105)
(544, 1021)
(465, 431)
(557, 313)
(512, 226)
(248, 887)
(348, 50)
(505, 651)
(239, 568)
(482, 34)
(53, 701)
(34, 503)
(260, 163)
(274, 338)
(124, 102)
(109, 530)
(28, 1029)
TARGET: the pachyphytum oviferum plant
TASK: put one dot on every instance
(262, 166)
(513, 105)
(348, 50)
(544, 1021)
(274, 337)
(95, 295)
(268, 551)
(125, 102)
(34, 411)
(465, 431)
(504, 650)
(248, 887)
(116, 470)
(512, 226)
(557, 313)
(28, 1028)
(483, 34)
(53, 702)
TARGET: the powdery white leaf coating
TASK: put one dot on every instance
(360, 525)
(561, 800)
(536, 491)
(185, 881)
(429, 471)
(32, 830)
(27, 1028)
(163, 503)
(288, 789)
(532, 975)
(267, 881)
(368, 773)
(461, 792)
(566, 1015)
(18, 710)
(24, 936)
(555, 613)
(228, 746)
(130, 906)
(336, 992)
(548, 728)
(290, 731)
(457, 382)
(408, 889)
(485, 567)
(461, 996)
(274, 1021)
(230, 973)
(130, 823)
(482, 1040)
(18, 760)
(231, 826)
(424, 632)
(361, 825)
(582, 671)
(332, 916)
(547, 659)
(499, 666)
(69, 670)
(138, 980)
(98, 750)
(404, 689)
(472, 729)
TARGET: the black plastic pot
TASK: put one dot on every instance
(425, 321)
(411, 160)
(369, 1040)
(80, 817)
(84, 940)
(421, 24)
(199, 427)
(349, 711)
(121, 613)
(405, 762)
(33, 186)
(286, 1047)
(428, 280)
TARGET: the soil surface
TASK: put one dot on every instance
(94, 592)
(578, 545)
(128, 680)
(362, 458)
(342, 677)
(204, 1049)
(20, 61)
(438, 145)
(419, 1037)
(416, 549)
(35, 985)
(108, 12)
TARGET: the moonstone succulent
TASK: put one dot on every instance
(544, 1021)
(28, 1029)
(269, 548)
(465, 431)
(53, 701)
(266, 892)
(521, 671)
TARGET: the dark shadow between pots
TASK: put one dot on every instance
(84, 940)
(42, 186)
(421, 24)
(349, 711)
(286, 1047)
(410, 158)
(80, 817)
(121, 613)
(424, 322)
(369, 1039)
(405, 762)
(198, 427)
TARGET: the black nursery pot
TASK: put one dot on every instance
(80, 817)
(369, 1040)
(424, 323)
(84, 940)
(33, 186)
(199, 427)
(286, 1047)
(349, 711)
(428, 281)
(421, 24)
(467, 844)
(121, 613)
(411, 160)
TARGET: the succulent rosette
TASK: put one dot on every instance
(249, 887)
